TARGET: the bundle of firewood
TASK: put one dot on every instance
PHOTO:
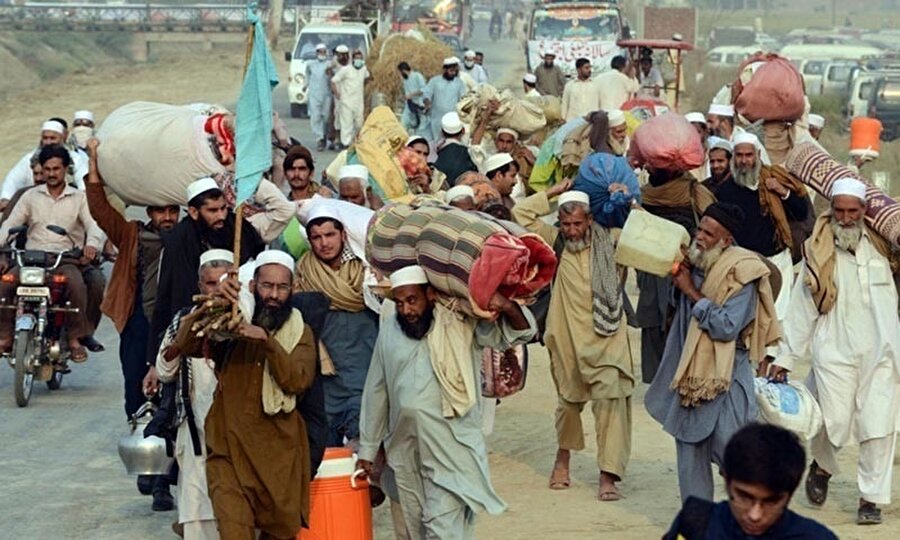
(217, 315)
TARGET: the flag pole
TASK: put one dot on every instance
(239, 211)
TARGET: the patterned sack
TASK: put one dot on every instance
(789, 405)
(466, 255)
(503, 373)
(819, 170)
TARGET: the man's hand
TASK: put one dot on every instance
(151, 382)
(92, 145)
(3, 204)
(252, 332)
(559, 189)
(366, 466)
(4, 264)
(682, 279)
(230, 287)
(616, 186)
(90, 253)
(776, 186)
(770, 371)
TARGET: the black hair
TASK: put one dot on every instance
(766, 455)
(298, 152)
(55, 151)
(403, 66)
(62, 121)
(202, 198)
(581, 62)
(479, 53)
(321, 221)
(501, 170)
(618, 63)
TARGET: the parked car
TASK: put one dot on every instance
(860, 93)
(885, 106)
(729, 56)
(835, 77)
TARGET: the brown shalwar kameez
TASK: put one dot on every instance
(258, 464)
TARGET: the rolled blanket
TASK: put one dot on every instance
(468, 256)
(819, 171)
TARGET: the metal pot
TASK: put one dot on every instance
(143, 455)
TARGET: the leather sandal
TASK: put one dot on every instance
(817, 484)
(868, 514)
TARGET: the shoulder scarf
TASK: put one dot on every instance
(772, 204)
(606, 291)
(344, 286)
(683, 191)
(274, 399)
(450, 350)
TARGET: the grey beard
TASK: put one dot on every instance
(576, 246)
(618, 147)
(748, 179)
(705, 259)
(846, 238)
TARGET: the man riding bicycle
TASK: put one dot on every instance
(54, 203)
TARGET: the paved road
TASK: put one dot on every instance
(61, 475)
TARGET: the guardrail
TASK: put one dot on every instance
(143, 18)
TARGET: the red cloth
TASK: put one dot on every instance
(413, 164)
(667, 142)
(216, 125)
(513, 266)
(774, 93)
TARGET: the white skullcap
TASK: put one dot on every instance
(354, 171)
(508, 131)
(274, 256)
(496, 161)
(201, 186)
(695, 118)
(459, 192)
(451, 124)
(84, 115)
(616, 117)
(417, 139)
(53, 125)
(321, 47)
(721, 110)
(451, 61)
(320, 211)
(849, 186)
(718, 143)
(469, 54)
(341, 49)
(744, 137)
(215, 255)
(816, 121)
(410, 275)
(574, 196)
(530, 78)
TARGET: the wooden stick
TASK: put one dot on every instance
(251, 34)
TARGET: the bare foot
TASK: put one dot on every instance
(559, 478)
(608, 490)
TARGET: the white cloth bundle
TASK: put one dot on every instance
(790, 405)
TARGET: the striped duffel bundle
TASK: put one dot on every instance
(817, 169)
(468, 256)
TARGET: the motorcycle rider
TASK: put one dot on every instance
(131, 297)
(55, 203)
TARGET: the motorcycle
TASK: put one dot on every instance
(40, 347)
(495, 32)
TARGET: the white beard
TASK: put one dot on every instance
(748, 179)
(847, 238)
(705, 259)
(576, 246)
(618, 147)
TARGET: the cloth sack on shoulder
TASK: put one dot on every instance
(667, 142)
(775, 90)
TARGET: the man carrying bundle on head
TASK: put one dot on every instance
(422, 401)
(725, 318)
(588, 343)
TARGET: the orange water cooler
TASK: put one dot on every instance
(339, 504)
(865, 137)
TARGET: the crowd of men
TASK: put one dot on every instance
(316, 362)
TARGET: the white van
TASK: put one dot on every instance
(728, 56)
(860, 93)
(352, 34)
(836, 77)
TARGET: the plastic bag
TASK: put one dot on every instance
(789, 405)
(595, 175)
(775, 90)
(667, 142)
(380, 138)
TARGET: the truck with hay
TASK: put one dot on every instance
(573, 30)
(438, 16)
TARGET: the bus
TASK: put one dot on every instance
(572, 30)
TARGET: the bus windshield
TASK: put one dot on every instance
(563, 24)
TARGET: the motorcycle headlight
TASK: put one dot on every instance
(31, 276)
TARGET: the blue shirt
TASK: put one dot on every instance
(723, 526)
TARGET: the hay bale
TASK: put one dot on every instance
(426, 57)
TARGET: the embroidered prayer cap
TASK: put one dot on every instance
(721, 110)
(575, 197)
(84, 115)
(53, 125)
(274, 256)
(718, 143)
(816, 121)
(496, 161)
(849, 186)
(409, 275)
(508, 131)
(451, 124)
(459, 192)
(216, 255)
(727, 215)
(342, 49)
(451, 61)
(530, 78)
(615, 117)
(198, 187)
(354, 171)
(695, 118)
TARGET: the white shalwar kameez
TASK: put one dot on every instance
(855, 368)
(350, 84)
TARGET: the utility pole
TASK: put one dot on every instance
(276, 15)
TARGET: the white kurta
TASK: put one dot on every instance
(580, 98)
(855, 365)
(350, 84)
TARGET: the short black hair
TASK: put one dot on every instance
(618, 63)
(501, 170)
(766, 455)
(62, 121)
(321, 221)
(403, 66)
(298, 151)
(581, 62)
(55, 151)
(479, 53)
(208, 195)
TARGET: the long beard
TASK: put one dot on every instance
(418, 329)
(270, 318)
(847, 238)
(618, 147)
(705, 259)
(449, 77)
(748, 178)
(215, 238)
(576, 246)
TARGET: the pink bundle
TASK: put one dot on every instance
(667, 142)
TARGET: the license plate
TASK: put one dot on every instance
(33, 291)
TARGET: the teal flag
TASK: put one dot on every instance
(253, 119)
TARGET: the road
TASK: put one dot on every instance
(62, 477)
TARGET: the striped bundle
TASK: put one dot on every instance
(468, 256)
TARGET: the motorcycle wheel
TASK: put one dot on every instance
(55, 381)
(24, 381)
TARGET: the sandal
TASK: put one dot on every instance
(817, 484)
(559, 479)
(78, 355)
(609, 494)
(868, 514)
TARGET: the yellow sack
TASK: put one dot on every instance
(381, 137)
